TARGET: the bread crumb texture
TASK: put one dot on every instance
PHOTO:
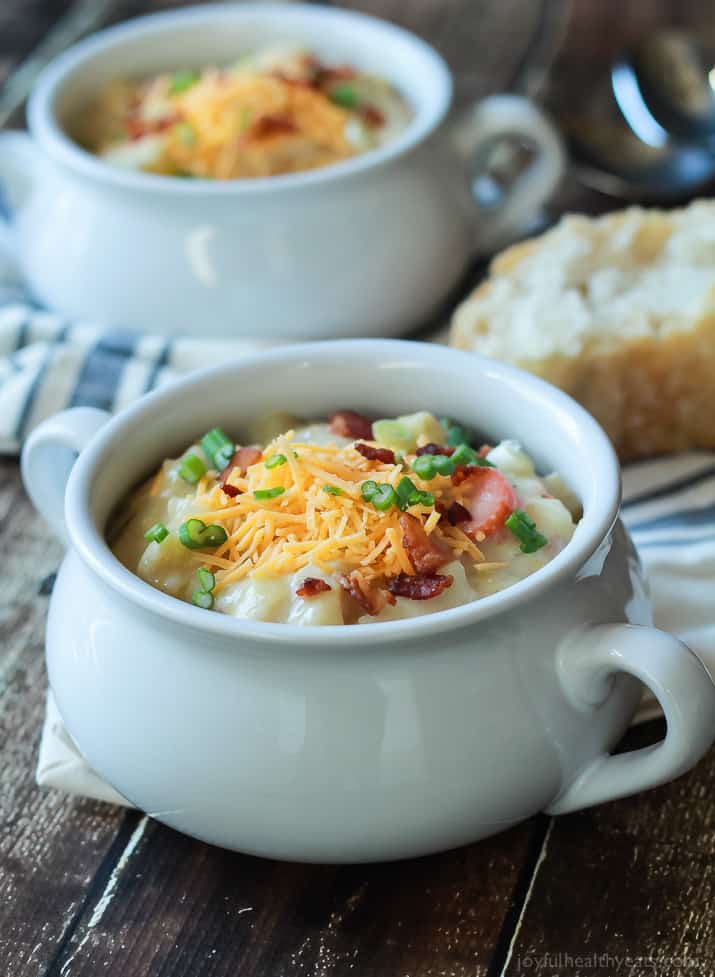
(618, 311)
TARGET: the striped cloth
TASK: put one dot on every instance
(48, 364)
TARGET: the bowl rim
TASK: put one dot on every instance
(595, 525)
(43, 124)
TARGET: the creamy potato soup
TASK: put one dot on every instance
(276, 110)
(347, 521)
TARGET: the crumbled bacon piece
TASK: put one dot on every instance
(268, 125)
(137, 127)
(371, 599)
(338, 73)
(426, 554)
(434, 449)
(463, 472)
(350, 424)
(312, 586)
(457, 513)
(485, 449)
(372, 116)
(420, 587)
(384, 455)
(242, 459)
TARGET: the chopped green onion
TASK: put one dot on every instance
(203, 599)
(271, 493)
(464, 455)
(422, 498)
(191, 469)
(423, 465)
(524, 528)
(195, 534)
(368, 490)
(384, 497)
(156, 533)
(275, 460)
(344, 95)
(456, 434)
(332, 490)
(185, 133)
(443, 464)
(206, 579)
(219, 447)
(182, 80)
(427, 466)
(406, 488)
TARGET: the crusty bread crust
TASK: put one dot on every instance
(652, 394)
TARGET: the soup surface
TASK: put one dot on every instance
(342, 522)
(276, 110)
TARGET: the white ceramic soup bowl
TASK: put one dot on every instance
(361, 742)
(365, 247)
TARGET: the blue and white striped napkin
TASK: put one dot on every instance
(48, 364)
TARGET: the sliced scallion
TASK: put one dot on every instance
(182, 80)
(274, 461)
(271, 493)
(524, 528)
(203, 599)
(384, 497)
(218, 446)
(206, 578)
(344, 95)
(195, 534)
(156, 533)
(191, 469)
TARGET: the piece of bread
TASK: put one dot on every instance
(618, 311)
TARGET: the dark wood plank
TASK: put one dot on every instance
(628, 887)
(51, 847)
(182, 908)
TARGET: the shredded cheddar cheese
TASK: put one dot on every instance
(307, 526)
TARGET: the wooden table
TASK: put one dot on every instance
(88, 889)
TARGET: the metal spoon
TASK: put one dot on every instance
(652, 136)
(676, 81)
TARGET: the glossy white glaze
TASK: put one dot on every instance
(365, 247)
(348, 743)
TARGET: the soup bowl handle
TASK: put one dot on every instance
(48, 456)
(476, 133)
(588, 663)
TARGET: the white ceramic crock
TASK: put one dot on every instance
(366, 742)
(366, 247)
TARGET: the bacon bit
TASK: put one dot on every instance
(296, 82)
(266, 126)
(339, 73)
(434, 449)
(425, 553)
(137, 127)
(371, 599)
(312, 586)
(457, 513)
(490, 499)
(463, 472)
(372, 116)
(242, 459)
(350, 424)
(420, 587)
(384, 455)
(485, 449)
